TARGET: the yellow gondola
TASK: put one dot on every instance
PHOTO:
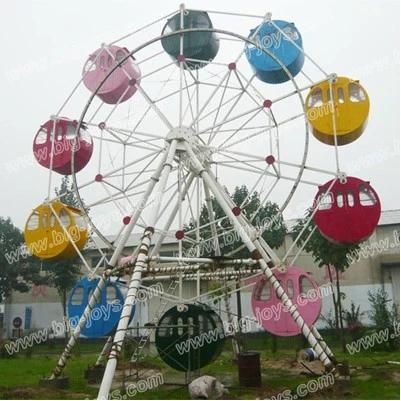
(350, 108)
(46, 238)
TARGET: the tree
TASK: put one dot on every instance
(66, 193)
(327, 254)
(18, 270)
(63, 275)
(268, 220)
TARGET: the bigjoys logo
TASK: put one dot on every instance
(273, 40)
(62, 146)
(60, 237)
(275, 312)
(108, 311)
(42, 245)
(98, 314)
(102, 312)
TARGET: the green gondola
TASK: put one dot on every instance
(198, 47)
(189, 337)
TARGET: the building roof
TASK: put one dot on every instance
(389, 217)
(133, 240)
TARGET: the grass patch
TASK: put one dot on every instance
(372, 377)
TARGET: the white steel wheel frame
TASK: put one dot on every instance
(260, 171)
(212, 184)
(223, 202)
(176, 33)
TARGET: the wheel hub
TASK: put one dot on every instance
(188, 135)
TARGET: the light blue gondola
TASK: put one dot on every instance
(280, 45)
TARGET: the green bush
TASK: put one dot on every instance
(3, 351)
(353, 319)
(385, 317)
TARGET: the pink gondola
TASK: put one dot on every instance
(349, 213)
(271, 314)
(63, 147)
(121, 84)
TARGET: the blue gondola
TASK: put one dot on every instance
(104, 316)
(280, 45)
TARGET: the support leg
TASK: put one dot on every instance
(140, 265)
(113, 261)
(257, 251)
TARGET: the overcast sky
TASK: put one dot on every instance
(45, 44)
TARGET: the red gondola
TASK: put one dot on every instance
(64, 145)
(349, 212)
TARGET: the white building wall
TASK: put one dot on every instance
(43, 314)
(366, 274)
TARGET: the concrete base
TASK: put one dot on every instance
(60, 383)
(343, 387)
(94, 374)
(343, 381)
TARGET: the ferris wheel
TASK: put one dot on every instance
(192, 110)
